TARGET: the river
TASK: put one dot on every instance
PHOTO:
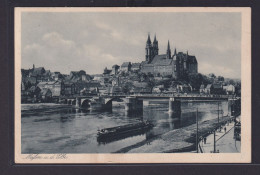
(55, 128)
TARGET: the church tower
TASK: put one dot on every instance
(168, 52)
(148, 49)
(155, 46)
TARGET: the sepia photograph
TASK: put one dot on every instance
(132, 85)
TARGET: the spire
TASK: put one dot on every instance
(155, 40)
(175, 52)
(168, 52)
(148, 39)
(187, 53)
(33, 67)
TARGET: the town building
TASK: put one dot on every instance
(46, 95)
(115, 69)
(114, 90)
(88, 86)
(76, 76)
(107, 71)
(229, 89)
(184, 88)
(136, 66)
(56, 76)
(177, 65)
(215, 88)
(202, 89)
(69, 88)
(126, 67)
(56, 87)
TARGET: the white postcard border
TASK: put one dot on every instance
(243, 157)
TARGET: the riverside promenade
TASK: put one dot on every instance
(225, 143)
(179, 140)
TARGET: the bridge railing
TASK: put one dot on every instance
(171, 95)
(155, 95)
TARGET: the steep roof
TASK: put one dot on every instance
(185, 57)
(148, 65)
(144, 62)
(192, 59)
(161, 60)
(38, 71)
(32, 80)
(45, 91)
(47, 72)
(76, 76)
(209, 86)
(115, 66)
(126, 64)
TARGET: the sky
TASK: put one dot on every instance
(65, 41)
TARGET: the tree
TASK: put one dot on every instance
(195, 80)
(220, 78)
(231, 82)
(151, 84)
(143, 77)
(212, 75)
(127, 87)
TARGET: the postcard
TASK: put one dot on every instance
(132, 85)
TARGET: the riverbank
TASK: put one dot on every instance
(225, 141)
(179, 140)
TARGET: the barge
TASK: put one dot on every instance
(114, 132)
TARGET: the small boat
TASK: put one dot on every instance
(125, 129)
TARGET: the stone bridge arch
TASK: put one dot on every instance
(110, 100)
(85, 103)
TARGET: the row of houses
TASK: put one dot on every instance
(217, 88)
(39, 84)
(46, 90)
(125, 67)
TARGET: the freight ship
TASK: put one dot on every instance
(114, 132)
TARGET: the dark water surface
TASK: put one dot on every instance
(53, 128)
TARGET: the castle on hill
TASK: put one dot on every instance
(178, 65)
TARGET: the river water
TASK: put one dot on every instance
(54, 128)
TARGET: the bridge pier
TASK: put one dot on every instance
(107, 106)
(100, 104)
(174, 106)
(132, 104)
(78, 102)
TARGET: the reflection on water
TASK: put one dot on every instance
(50, 128)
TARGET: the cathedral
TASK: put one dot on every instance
(178, 65)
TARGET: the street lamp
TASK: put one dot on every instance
(214, 141)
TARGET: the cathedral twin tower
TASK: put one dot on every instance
(152, 49)
(178, 65)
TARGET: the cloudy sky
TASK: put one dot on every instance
(92, 41)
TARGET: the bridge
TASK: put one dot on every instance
(134, 102)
